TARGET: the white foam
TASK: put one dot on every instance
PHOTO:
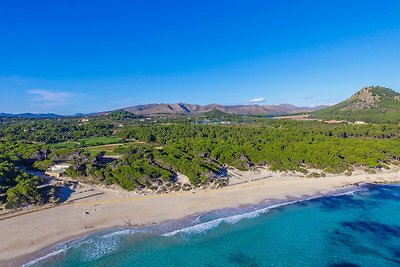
(111, 244)
(59, 250)
(119, 233)
(52, 254)
(349, 192)
(203, 227)
(101, 247)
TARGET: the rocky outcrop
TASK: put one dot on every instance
(363, 99)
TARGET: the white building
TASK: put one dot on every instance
(57, 170)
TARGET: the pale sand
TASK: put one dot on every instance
(26, 234)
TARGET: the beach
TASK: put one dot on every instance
(25, 235)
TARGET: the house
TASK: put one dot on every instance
(57, 170)
(360, 122)
(334, 122)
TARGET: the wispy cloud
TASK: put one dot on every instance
(258, 100)
(46, 98)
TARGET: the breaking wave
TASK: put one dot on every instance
(104, 243)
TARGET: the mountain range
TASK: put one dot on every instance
(370, 104)
(32, 115)
(186, 109)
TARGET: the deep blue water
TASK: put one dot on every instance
(358, 229)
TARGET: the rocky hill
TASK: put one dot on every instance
(370, 104)
(182, 108)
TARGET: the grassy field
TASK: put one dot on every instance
(96, 144)
(97, 141)
(88, 142)
(108, 149)
(66, 144)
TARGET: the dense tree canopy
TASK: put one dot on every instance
(150, 153)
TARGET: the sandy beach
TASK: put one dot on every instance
(29, 233)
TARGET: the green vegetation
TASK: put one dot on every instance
(148, 153)
(122, 115)
(97, 141)
(93, 141)
(201, 151)
(65, 144)
(109, 150)
(282, 145)
(385, 109)
(18, 188)
(52, 131)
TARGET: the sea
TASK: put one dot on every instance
(360, 227)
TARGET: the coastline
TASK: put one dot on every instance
(33, 234)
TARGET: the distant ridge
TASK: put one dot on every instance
(183, 108)
(370, 104)
(32, 115)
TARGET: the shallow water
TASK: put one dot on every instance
(358, 229)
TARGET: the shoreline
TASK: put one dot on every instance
(259, 208)
(64, 224)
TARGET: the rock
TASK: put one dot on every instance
(186, 187)
(205, 154)
(161, 190)
(157, 183)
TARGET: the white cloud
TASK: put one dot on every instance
(46, 98)
(258, 100)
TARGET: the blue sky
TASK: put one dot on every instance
(70, 56)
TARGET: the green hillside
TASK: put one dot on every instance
(373, 104)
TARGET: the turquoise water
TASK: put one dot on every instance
(357, 229)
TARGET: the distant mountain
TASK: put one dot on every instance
(370, 104)
(178, 109)
(32, 115)
(182, 108)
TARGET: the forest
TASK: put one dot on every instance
(151, 154)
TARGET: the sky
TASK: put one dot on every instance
(73, 56)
